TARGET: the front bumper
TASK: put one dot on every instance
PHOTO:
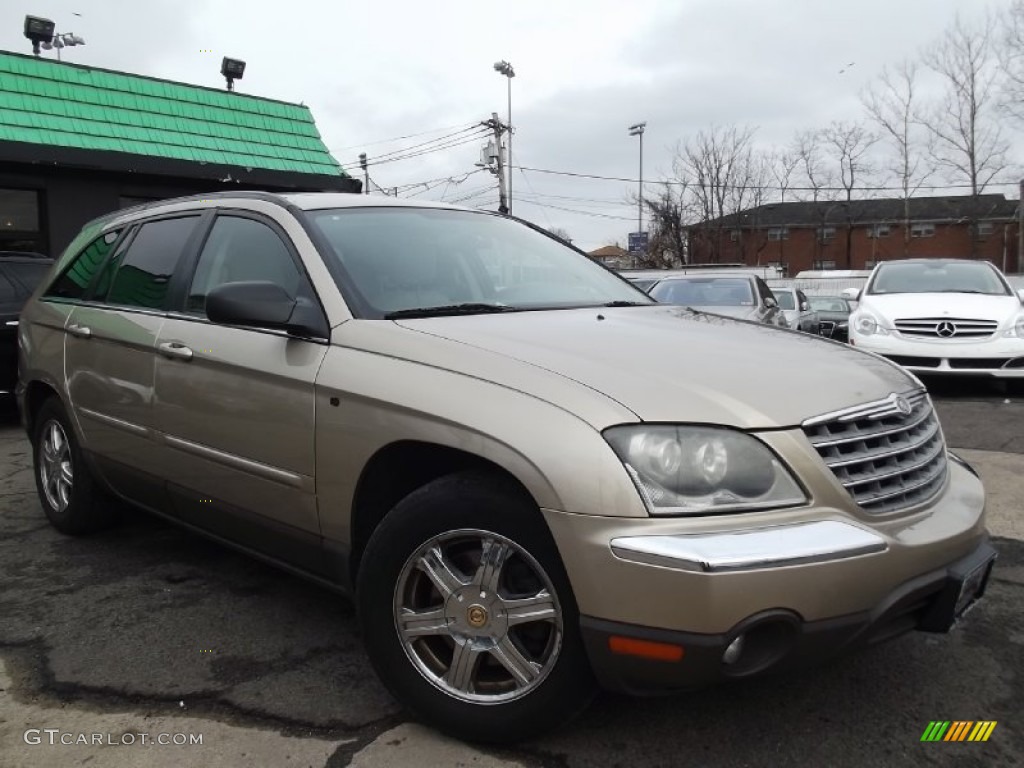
(825, 567)
(779, 640)
(997, 356)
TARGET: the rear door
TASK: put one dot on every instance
(110, 344)
(236, 405)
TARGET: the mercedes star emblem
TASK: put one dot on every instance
(945, 329)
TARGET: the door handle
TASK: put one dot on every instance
(175, 350)
(80, 331)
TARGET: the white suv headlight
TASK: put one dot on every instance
(867, 324)
(699, 470)
(1017, 329)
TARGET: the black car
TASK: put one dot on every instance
(834, 316)
(20, 273)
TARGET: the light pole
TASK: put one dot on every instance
(504, 68)
(638, 130)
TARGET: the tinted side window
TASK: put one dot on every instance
(145, 271)
(8, 292)
(74, 281)
(241, 249)
(27, 275)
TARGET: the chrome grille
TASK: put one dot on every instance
(826, 327)
(946, 327)
(889, 455)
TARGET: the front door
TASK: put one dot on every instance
(235, 406)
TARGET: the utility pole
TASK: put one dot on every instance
(495, 125)
(637, 129)
(366, 173)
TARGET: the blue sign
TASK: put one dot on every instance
(637, 242)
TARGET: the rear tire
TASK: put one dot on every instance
(467, 613)
(72, 500)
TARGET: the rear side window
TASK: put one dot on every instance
(8, 292)
(75, 280)
(145, 270)
(27, 275)
(241, 249)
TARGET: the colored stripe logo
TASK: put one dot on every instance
(958, 730)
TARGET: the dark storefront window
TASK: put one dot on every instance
(20, 226)
(128, 202)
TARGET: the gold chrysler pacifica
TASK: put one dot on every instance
(531, 477)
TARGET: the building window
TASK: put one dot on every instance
(878, 230)
(20, 228)
(822, 264)
(778, 233)
(125, 201)
(734, 235)
(825, 234)
(985, 228)
(922, 230)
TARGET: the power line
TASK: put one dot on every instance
(417, 150)
(400, 138)
(581, 213)
(429, 185)
(763, 188)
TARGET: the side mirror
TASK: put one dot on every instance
(853, 294)
(262, 304)
(1020, 294)
(770, 303)
(805, 306)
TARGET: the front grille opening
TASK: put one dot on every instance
(978, 362)
(921, 362)
(885, 461)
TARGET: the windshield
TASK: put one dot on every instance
(829, 304)
(401, 260)
(937, 277)
(785, 299)
(705, 292)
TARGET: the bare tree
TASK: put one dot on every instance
(668, 223)
(892, 105)
(716, 166)
(847, 144)
(560, 233)
(1010, 50)
(968, 136)
(818, 184)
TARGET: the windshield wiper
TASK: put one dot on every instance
(965, 290)
(468, 308)
(622, 303)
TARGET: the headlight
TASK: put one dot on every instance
(700, 470)
(867, 324)
(1017, 329)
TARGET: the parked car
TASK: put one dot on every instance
(747, 297)
(833, 316)
(526, 488)
(643, 283)
(942, 316)
(799, 314)
(20, 274)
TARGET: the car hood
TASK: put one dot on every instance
(665, 363)
(969, 306)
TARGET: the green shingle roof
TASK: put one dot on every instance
(57, 104)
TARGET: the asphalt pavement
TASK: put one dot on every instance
(147, 632)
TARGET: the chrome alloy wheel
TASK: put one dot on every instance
(55, 469)
(478, 617)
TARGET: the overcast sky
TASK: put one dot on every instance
(585, 70)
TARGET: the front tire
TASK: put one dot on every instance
(71, 499)
(467, 612)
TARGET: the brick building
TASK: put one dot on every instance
(839, 235)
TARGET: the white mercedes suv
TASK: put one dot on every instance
(948, 316)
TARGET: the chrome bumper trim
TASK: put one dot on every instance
(775, 547)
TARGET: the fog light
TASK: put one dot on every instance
(733, 651)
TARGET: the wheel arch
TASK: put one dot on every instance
(400, 468)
